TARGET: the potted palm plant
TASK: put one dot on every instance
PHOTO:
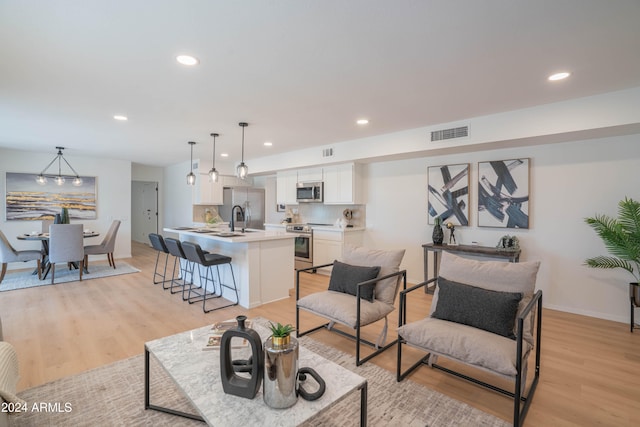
(621, 237)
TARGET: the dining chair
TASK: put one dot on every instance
(9, 254)
(45, 225)
(106, 247)
(65, 245)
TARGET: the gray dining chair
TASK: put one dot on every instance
(106, 247)
(9, 254)
(65, 245)
(45, 225)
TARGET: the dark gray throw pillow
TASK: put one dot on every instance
(345, 277)
(492, 311)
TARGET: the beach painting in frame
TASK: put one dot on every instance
(448, 193)
(26, 200)
(503, 193)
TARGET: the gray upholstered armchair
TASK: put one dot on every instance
(484, 314)
(362, 290)
(9, 375)
(9, 254)
(106, 247)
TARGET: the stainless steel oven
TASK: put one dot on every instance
(303, 245)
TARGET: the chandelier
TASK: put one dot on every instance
(59, 179)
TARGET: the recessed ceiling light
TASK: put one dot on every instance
(187, 60)
(224, 155)
(362, 121)
(268, 144)
(121, 118)
(559, 76)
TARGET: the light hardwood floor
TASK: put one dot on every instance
(590, 372)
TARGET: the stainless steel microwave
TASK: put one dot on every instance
(309, 192)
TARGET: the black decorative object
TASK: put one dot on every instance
(634, 297)
(232, 383)
(57, 219)
(438, 235)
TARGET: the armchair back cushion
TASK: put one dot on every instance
(495, 276)
(492, 311)
(345, 277)
(389, 262)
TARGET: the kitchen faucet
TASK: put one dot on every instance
(232, 225)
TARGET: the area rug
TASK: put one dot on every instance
(24, 279)
(113, 395)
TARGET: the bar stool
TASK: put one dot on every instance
(157, 243)
(196, 255)
(175, 248)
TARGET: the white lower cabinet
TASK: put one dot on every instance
(328, 245)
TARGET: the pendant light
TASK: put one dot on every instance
(191, 177)
(59, 179)
(213, 173)
(242, 170)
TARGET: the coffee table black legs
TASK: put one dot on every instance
(148, 405)
(363, 404)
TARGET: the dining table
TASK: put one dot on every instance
(45, 265)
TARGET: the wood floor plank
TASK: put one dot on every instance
(590, 371)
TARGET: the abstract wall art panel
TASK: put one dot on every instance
(448, 193)
(29, 201)
(503, 193)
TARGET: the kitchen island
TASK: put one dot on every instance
(263, 261)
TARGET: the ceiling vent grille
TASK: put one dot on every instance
(439, 135)
(327, 152)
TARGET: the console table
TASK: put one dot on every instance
(486, 251)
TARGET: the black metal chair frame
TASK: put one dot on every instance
(157, 243)
(200, 292)
(519, 410)
(183, 269)
(329, 325)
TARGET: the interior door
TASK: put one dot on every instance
(144, 206)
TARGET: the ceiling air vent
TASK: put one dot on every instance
(439, 135)
(327, 152)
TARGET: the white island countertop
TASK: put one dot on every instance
(225, 235)
(262, 261)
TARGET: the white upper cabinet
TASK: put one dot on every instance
(310, 175)
(234, 181)
(206, 192)
(286, 182)
(342, 184)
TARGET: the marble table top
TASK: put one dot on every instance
(197, 373)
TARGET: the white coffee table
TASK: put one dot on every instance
(197, 374)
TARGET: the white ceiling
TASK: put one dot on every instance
(300, 72)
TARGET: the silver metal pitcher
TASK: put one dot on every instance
(280, 372)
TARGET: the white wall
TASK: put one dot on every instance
(113, 182)
(568, 182)
(177, 203)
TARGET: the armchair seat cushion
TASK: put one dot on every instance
(340, 307)
(464, 343)
(28, 255)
